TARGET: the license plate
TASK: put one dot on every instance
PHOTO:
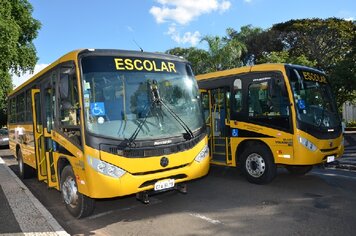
(164, 184)
(330, 159)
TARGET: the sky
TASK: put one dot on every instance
(159, 25)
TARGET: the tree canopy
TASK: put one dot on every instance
(17, 53)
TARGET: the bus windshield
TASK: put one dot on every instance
(118, 97)
(313, 98)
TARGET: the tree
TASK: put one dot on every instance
(197, 57)
(284, 57)
(343, 78)
(257, 42)
(326, 41)
(224, 52)
(17, 53)
(331, 44)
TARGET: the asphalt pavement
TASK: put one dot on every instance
(21, 213)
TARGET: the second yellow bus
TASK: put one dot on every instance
(263, 116)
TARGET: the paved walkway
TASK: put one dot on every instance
(20, 212)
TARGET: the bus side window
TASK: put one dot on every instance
(237, 95)
(69, 104)
(206, 106)
(21, 108)
(257, 99)
(69, 100)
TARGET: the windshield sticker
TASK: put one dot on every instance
(97, 109)
(314, 77)
(101, 120)
(301, 104)
(144, 65)
(86, 100)
(234, 132)
(262, 79)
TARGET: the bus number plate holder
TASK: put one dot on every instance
(330, 159)
(164, 184)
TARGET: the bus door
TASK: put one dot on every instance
(38, 135)
(219, 111)
(44, 113)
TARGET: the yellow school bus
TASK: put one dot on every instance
(107, 123)
(263, 116)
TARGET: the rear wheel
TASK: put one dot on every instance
(77, 204)
(258, 164)
(299, 170)
(25, 171)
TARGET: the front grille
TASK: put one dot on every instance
(157, 171)
(140, 152)
(328, 150)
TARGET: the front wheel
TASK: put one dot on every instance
(299, 170)
(258, 164)
(77, 204)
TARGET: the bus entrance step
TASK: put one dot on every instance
(219, 156)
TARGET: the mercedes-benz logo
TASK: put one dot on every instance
(164, 161)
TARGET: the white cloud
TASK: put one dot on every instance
(188, 37)
(184, 11)
(16, 80)
(248, 1)
(346, 15)
(349, 19)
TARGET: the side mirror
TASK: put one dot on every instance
(64, 86)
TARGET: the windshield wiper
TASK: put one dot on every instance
(157, 100)
(147, 109)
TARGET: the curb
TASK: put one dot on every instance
(57, 228)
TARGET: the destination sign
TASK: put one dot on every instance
(144, 64)
(314, 77)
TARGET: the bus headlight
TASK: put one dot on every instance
(306, 143)
(202, 154)
(105, 168)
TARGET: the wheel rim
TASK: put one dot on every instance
(255, 165)
(70, 192)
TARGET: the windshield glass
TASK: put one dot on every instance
(118, 97)
(313, 98)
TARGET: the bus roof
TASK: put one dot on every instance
(73, 55)
(67, 57)
(247, 69)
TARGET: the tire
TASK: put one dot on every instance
(25, 171)
(77, 204)
(299, 170)
(257, 164)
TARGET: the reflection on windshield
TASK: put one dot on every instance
(116, 103)
(313, 99)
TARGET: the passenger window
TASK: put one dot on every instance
(268, 103)
(28, 106)
(21, 108)
(266, 98)
(238, 95)
(69, 105)
(69, 111)
(13, 110)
